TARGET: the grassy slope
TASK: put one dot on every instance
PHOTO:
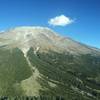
(13, 69)
(75, 77)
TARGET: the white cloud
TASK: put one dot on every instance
(61, 20)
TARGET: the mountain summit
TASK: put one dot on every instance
(44, 38)
(37, 61)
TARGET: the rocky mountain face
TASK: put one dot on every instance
(38, 61)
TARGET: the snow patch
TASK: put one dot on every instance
(25, 50)
(52, 84)
(37, 49)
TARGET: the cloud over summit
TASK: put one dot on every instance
(61, 20)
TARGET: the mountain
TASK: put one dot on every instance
(44, 38)
(38, 61)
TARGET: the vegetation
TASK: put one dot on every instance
(74, 76)
(13, 69)
(62, 75)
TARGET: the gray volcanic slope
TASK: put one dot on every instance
(44, 38)
(38, 61)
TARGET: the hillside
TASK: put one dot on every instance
(38, 61)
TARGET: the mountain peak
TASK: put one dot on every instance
(31, 28)
(25, 37)
(33, 31)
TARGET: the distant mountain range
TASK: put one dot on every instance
(38, 61)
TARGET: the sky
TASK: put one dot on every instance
(78, 19)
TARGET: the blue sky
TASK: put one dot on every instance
(85, 13)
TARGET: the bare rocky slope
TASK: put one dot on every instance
(44, 38)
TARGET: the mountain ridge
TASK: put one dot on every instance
(48, 38)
